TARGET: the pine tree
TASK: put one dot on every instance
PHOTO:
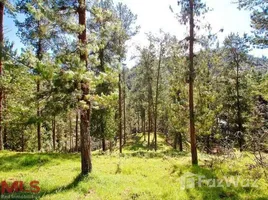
(34, 31)
(4, 5)
(1, 69)
(259, 20)
(85, 114)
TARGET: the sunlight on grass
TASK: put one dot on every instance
(139, 174)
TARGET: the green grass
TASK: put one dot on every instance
(136, 174)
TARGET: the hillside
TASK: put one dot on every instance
(136, 174)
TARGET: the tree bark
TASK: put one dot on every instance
(54, 132)
(125, 95)
(22, 141)
(111, 145)
(150, 104)
(1, 69)
(38, 118)
(58, 136)
(208, 143)
(5, 125)
(180, 141)
(120, 112)
(144, 129)
(138, 115)
(149, 127)
(5, 137)
(71, 132)
(39, 54)
(76, 132)
(191, 86)
(86, 165)
(239, 115)
(103, 144)
(156, 97)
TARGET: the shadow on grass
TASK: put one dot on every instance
(25, 161)
(139, 144)
(139, 148)
(136, 144)
(79, 178)
(22, 195)
(156, 154)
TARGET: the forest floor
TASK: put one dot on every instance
(136, 174)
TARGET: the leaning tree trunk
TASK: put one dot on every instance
(1, 69)
(191, 86)
(86, 165)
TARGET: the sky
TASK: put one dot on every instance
(154, 15)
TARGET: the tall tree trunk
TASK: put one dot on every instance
(39, 54)
(22, 141)
(66, 139)
(156, 97)
(138, 115)
(120, 112)
(76, 132)
(102, 124)
(38, 118)
(239, 115)
(103, 144)
(125, 96)
(5, 125)
(5, 137)
(71, 132)
(180, 141)
(1, 69)
(54, 132)
(149, 126)
(86, 165)
(85, 142)
(58, 136)
(191, 86)
(150, 104)
(111, 145)
(208, 143)
(144, 129)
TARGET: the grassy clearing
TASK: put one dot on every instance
(137, 174)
